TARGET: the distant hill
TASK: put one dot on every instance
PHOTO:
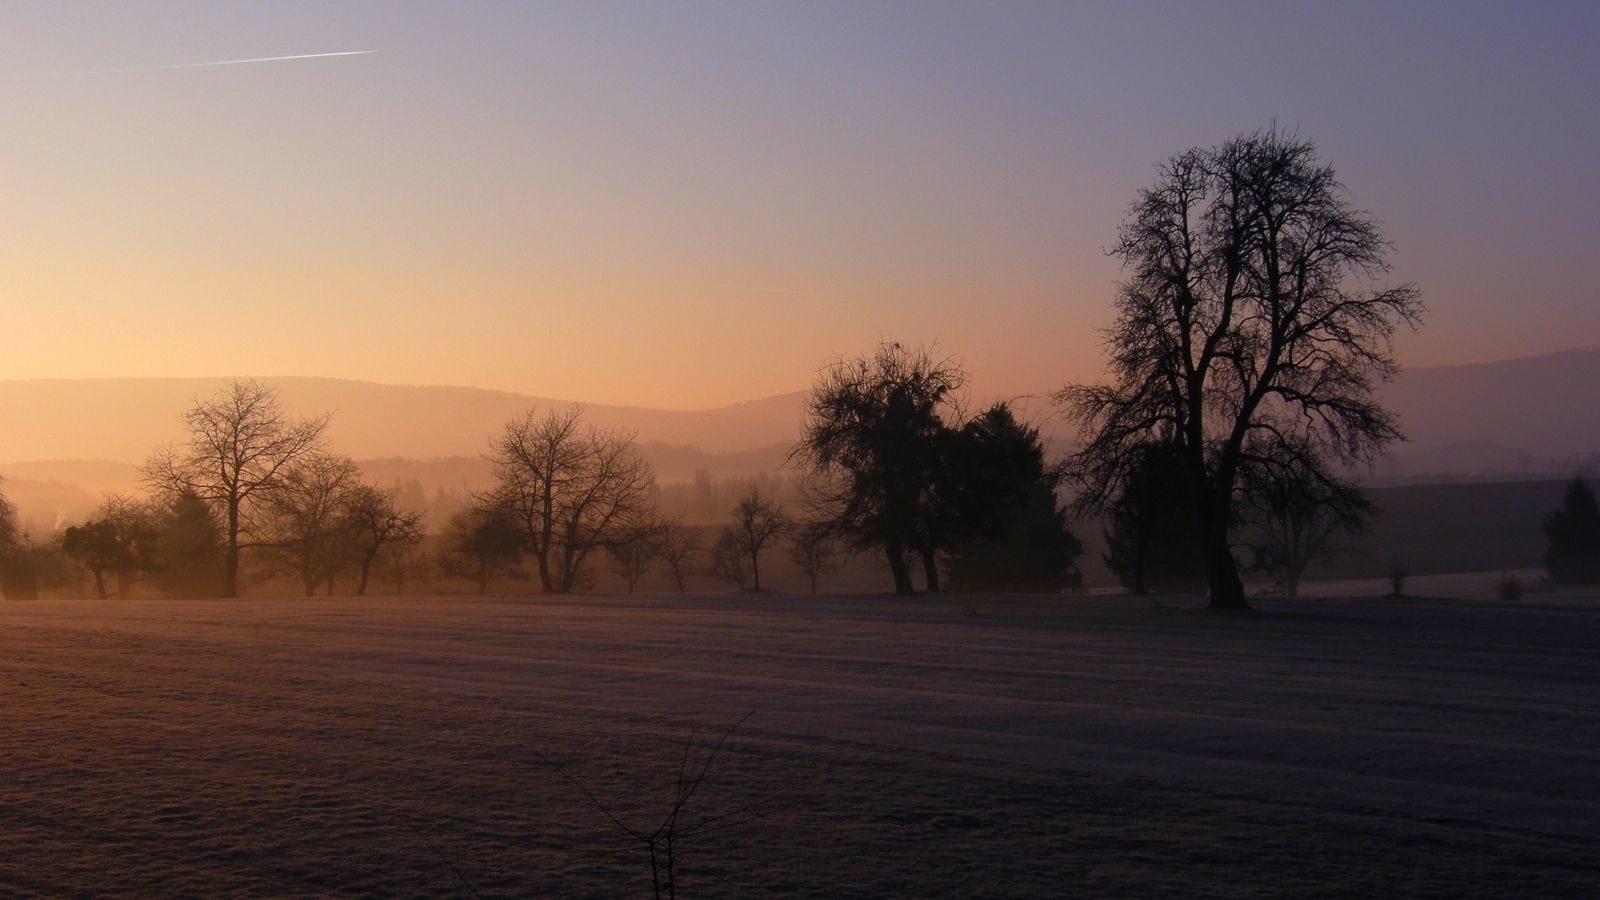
(1537, 415)
(125, 418)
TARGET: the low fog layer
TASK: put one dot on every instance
(1538, 415)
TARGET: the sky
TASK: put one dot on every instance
(685, 205)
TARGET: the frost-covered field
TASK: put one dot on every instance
(955, 746)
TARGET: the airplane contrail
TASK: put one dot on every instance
(201, 65)
(774, 290)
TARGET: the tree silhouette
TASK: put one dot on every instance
(571, 489)
(816, 550)
(308, 529)
(18, 580)
(872, 438)
(483, 544)
(757, 522)
(1152, 536)
(729, 560)
(678, 546)
(1292, 511)
(1573, 532)
(1249, 317)
(1012, 531)
(376, 524)
(632, 554)
(121, 540)
(239, 449)
(189, 551)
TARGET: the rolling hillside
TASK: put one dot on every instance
(1537, 415)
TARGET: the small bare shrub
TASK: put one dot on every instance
(1398, 573)
(661, 842)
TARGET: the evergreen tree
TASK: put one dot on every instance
(1014, 533)
(1573, 554)
(1153, 540)
(189, 549)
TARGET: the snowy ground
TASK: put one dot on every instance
(955, 746)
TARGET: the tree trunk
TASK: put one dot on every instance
(366, 568)
(1222, 571)
(230, 577)
(99, 584)
(897, 568)
(547, 524)
(755, 568)
(930, 570)
(542, 557)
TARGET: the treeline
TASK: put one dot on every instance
(254, 495)
(1250, 332)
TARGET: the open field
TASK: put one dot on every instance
(953, 746)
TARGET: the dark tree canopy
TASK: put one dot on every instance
(1152, 535)
(121, 541)
(1250, 316)
(1573, 532)
(18, 581)
(189, 549)
(483, 544)
(1013, 532)
(872, 437)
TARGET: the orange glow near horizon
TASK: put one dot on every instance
(685, 212)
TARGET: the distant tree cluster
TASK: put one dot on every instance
(895, 468)
(272, 486)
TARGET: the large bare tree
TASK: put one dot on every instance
(572, 489)
(239, 448)
(1250, 318)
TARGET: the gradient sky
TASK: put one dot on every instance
(690, 204)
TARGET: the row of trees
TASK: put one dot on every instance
(274, 485)
(890, 474)
(1251, 330)
(246, 478)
